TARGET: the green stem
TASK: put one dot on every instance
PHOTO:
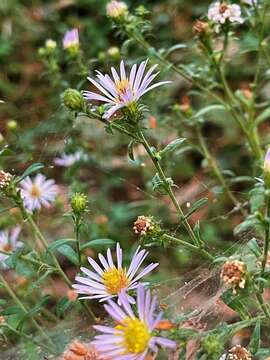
(23, 308)
(263, 305)
(216, 171)
(77, 234)
(267, 235)
(188, 246)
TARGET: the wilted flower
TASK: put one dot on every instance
(116, 9)
(67, 160)
(9, 242)
(71, 39)
(132, 337)
(200, 27)
(109, 282)
(80, 351)
(38, 192)
(238, 352)
(73, 100)
(118, 92)
(5, 178)
(220, 12)
(234, 274)
(143, 225)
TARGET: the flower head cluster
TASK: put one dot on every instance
(71, 39)
(221, 12)
(9, 242)
(38, 192)
(109, 282)
(132, 337)
(238, 352)
(122, 90)
(233, 274)
(5, 178)
(143, 225)
(116, 9)
(67, 160)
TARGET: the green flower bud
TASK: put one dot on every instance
(73, 100)
(12, 125)
(114, 52)
(213, 345)
(78, 203)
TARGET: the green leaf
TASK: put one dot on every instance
(130, 149)
(172, 146)
(174, 48)
(98, 243)
(196, 206)
(62, 305)
(254, 247)
(209, 109)
(5, 151)
(56, 244)
(69, 253)
(255, 338)
(12, 310)
(30, 170)
(265, 115)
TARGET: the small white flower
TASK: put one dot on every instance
(9, 242)
(38, 192)
(219, 13)
(67, 160)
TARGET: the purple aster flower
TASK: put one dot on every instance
(67, 160)
(122, 90)
(267, 161)
(9, 242)
(38, 192)
(133, 337)
(109, 282)
(71, 39)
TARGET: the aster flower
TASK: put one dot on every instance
(38, 192)
(71, 39)
(233, 274)
(132, 338)
(220, 12)
(122, 91)
(9, 242)
(67, 160)
(116, 9)
(109, 282)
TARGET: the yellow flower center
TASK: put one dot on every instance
(115, 280)
(136, 335)
(35, 191)
(122, 86)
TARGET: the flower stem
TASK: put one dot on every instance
(267, 235)
(262, 304)
(24, 309)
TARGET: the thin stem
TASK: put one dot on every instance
(267, 235)
(77, 234)
(217, 172)
(23, 308)
(263, 305)
(188, 246)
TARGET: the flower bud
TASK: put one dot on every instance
(12, 125)
(146, 226)
(116, 9)
(200, 27)
(73, 100)
(114, 52)
(233, 274)
(5, 179)
(78, 203)
(266, 169)
(50, 44)
(213, 345)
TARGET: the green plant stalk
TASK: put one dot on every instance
(58, 267)
(187, 245)
(24, 309)
(77, 225)
(216, 171)
(170, 192)
(24, 257)
(29, 338)
(262, 304)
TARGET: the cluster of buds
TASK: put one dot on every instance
(233, 274)
(78, 203)
(80, 351)
(5, 179)
(144, 225)
(73, 100)
(116, 9)
(238, 352)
